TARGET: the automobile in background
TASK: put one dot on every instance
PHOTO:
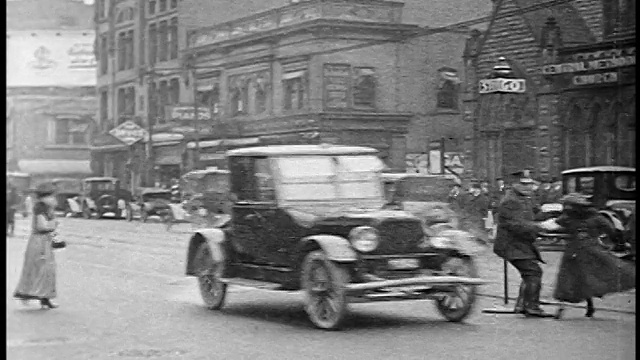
(612, 189)
(68, 193)
(103, 196)
(311, 218)
(150, 202)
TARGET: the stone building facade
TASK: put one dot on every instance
(578, 62)
(50, 88)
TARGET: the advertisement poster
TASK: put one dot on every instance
(50, 58)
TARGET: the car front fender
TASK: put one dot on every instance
(337, 248)
(212, 237)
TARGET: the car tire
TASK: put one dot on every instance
(456, 305)
(212, 290)
(323, 282)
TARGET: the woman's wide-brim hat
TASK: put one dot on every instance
(44, 189)
(576, 199)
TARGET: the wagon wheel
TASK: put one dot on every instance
(456, 304)
(324, 283)
(212, 289)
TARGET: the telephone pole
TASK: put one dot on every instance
(150, 178)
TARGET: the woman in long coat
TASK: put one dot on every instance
(587, 269)
(38, 278)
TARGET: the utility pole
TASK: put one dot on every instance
(196, 117)
(150, 124)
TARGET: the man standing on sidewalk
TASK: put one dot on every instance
(515, 243)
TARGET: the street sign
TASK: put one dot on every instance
(488, 86)
(129, 132)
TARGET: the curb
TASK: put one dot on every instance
(546, 302)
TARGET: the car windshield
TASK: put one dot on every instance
(326, 178)
(102, 185)
(581, 183)
(625, 182)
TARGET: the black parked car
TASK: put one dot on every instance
(311, 218)
(151, 202)
(103, 195)
(612, 190)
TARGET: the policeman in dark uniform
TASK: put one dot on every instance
(514, 242)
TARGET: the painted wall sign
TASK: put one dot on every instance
(187, 112)
(488, 86)
(593, 61)
(593, 79)
(50, 58)
(337, 84)
(129, 132)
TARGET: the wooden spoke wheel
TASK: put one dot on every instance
(212, 289)
(323, 282)
(456, 304)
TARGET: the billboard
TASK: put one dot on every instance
(50, 58)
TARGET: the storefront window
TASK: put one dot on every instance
(448, 89)
(364, 88)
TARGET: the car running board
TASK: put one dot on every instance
(257, 284)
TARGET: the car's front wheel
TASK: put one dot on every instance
(212, 289)
(456, 303)
(323, 282)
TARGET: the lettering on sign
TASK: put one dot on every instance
(591, 79)
(81, 56)
(591, 65)
(337, 82)
(129, 132)
(488, 86)
(185, 113)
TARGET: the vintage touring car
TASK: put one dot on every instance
(311, 218)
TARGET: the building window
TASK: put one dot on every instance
(122, 104)
(294, 86)
(163, 41)
(153, 44)
(173, 38)
(121, 50)
(209, 94)
(142, 52)
(174, 92)
(239, 90)
(104, 106)
(152, 7)
(174, 4)
(104, 54)
(130, 101)
(163, 5)
(130, 50)
(577, 140)
(448, 89)
(68, 131)
(260, 91)
(364, 88)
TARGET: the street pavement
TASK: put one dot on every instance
(123, 295)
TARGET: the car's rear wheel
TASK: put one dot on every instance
(323, 282)
(212, 289)
(457, 303)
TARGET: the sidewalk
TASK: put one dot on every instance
(490, 267)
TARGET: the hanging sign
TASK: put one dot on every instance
(488, 86)
(129, 132)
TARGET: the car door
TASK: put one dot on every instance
(254, 211)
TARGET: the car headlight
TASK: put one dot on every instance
(364, 238)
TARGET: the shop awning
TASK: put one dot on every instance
(42, 167)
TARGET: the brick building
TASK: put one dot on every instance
(282, 76)
(50, 87)
(139, 81)
(578, 63)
